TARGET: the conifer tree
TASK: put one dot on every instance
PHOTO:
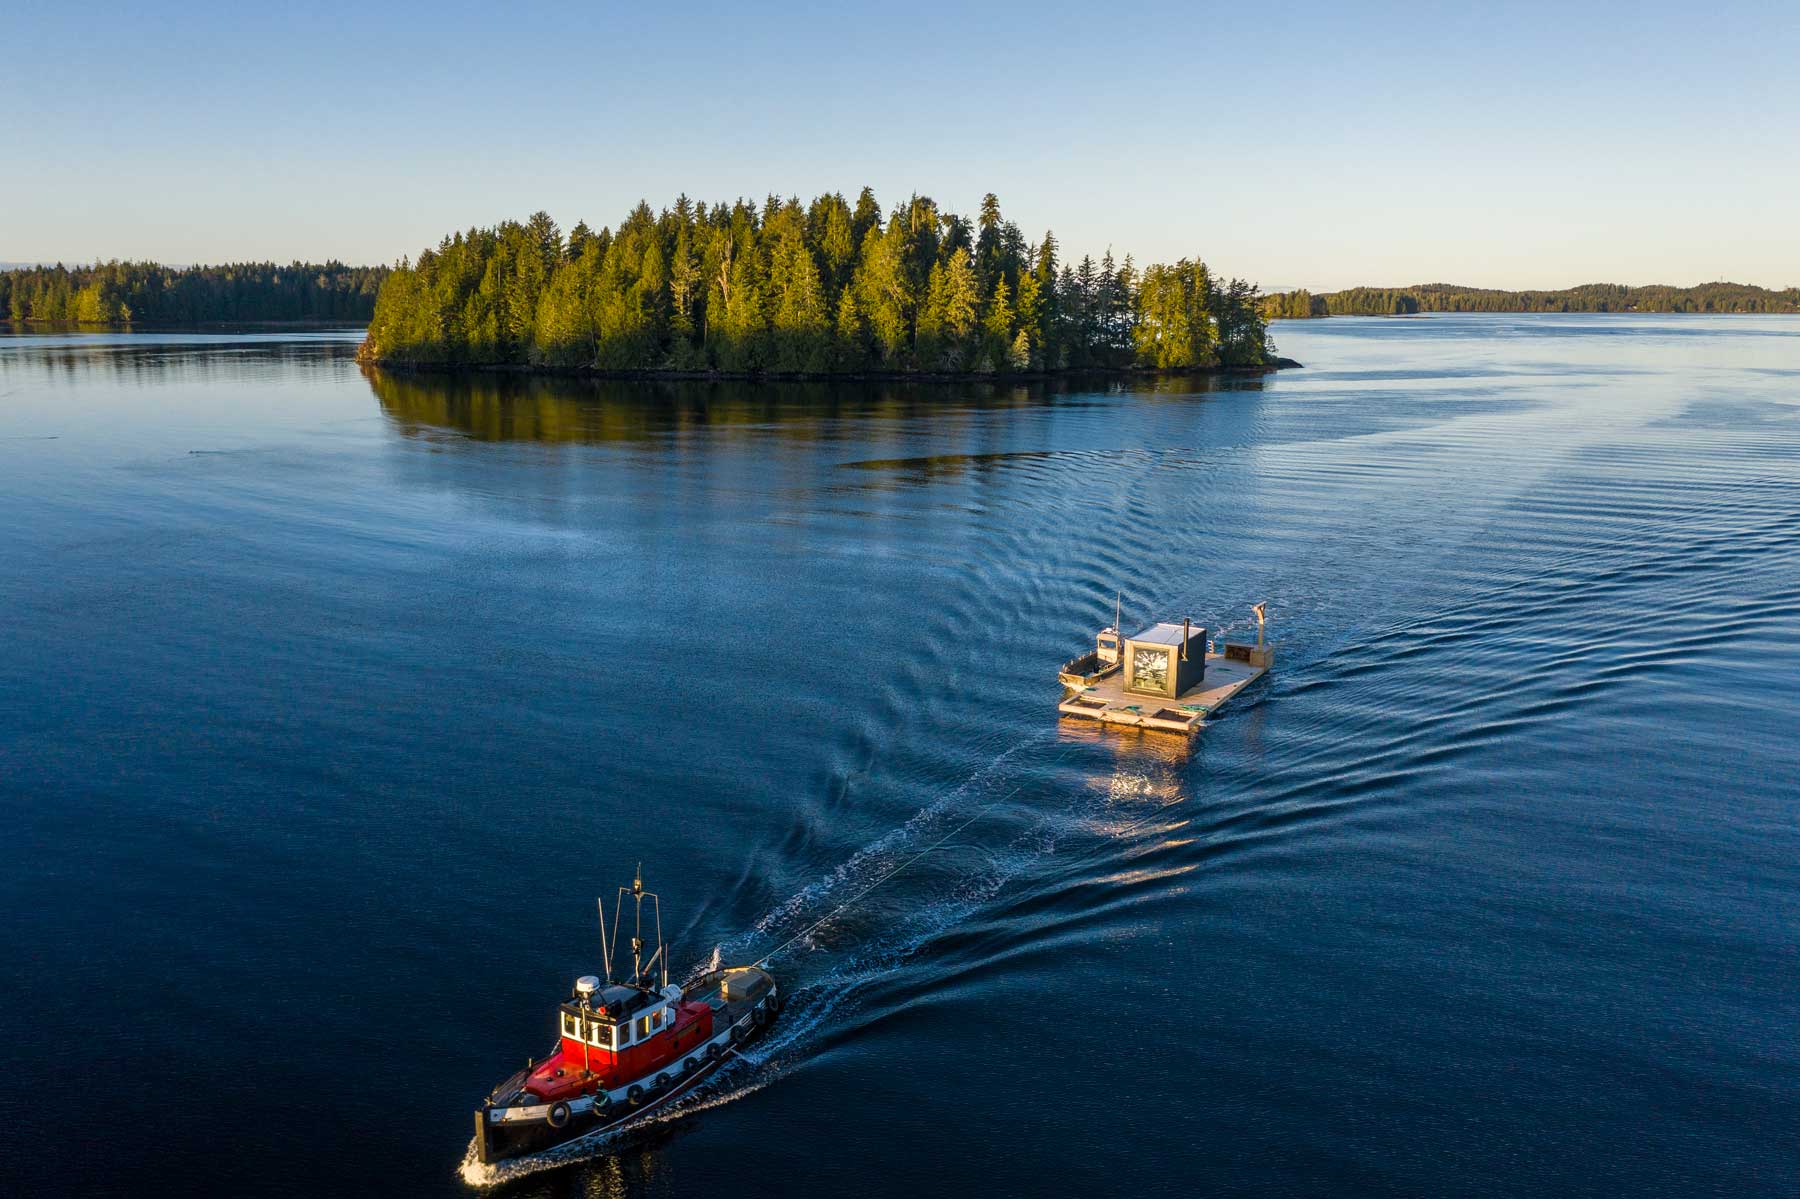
(579, 237)
(883, 293)
(998, 324)
(850, 340)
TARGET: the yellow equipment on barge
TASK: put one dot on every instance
(1169, 676)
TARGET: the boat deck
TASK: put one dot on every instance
(731, 992)
(1226, 674)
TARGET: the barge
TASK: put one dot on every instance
(1168, 676)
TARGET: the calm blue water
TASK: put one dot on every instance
(328, 705)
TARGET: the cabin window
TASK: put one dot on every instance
(645, 1025)
(1150, 669)
(571, 1026)
(602, 1035)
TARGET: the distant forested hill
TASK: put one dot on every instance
(1589, 297)
(829, 287)
(122, 293)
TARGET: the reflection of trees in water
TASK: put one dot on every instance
(494, 406)
(145, 358)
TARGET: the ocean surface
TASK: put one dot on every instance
(329, 703)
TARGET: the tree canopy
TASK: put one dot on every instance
(121, 293)
(821, 288)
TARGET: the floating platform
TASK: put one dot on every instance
(1105, 698)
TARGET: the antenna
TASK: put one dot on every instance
(618, 910)
(605, 946)
(659, 941)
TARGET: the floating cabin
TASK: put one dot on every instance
(1169, 676)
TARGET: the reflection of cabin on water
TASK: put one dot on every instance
(1166, 677)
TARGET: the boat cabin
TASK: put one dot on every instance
(622, 1028)
(622, 1016)
(1094, 665)
(1166, 660)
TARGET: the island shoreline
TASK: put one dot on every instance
(650, 375)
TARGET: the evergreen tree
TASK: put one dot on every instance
(998, 325)
(988, 244)
(801, 322)
(883, 293)
(850, 348)
(867, 217)
(579, 237)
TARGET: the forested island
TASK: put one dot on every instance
(828, 288)
(1589, 297)
(124, 293)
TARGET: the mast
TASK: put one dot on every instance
(637, 941)
(638, 964)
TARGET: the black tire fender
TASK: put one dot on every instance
(558, 1116)
(662, 1080)
(712, 1053)
(635, 1095)
(759, 1017)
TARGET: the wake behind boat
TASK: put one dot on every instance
(627, 1048)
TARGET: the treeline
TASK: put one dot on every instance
(1293, 306)
(1590, 297)
(830, 287)
(121, 293)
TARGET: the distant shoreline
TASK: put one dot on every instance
(53, 326)
(1595, 299)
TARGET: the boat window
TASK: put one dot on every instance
(645, 1025)
(602, 1035)
(571, 1026)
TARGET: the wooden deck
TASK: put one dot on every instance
(1109, 702)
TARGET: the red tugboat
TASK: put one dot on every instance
(627, 1048)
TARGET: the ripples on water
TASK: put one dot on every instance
(330, 702)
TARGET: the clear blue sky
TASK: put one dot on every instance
(1296, 144)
